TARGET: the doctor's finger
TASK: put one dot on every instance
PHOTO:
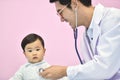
(46, 75)
(43, 74)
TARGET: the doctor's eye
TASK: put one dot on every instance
(59, 13)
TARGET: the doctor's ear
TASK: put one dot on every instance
(74, 3)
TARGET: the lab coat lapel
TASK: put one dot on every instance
(85, 48)
(96, 34)
(97, 29)
(90, 51)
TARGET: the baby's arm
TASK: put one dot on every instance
(18, 75)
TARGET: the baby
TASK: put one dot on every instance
(34, 50)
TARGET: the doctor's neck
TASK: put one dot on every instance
(87, 16)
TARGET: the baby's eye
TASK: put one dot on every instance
(29, 50)
(37, 49)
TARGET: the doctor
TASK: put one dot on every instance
(101, 41)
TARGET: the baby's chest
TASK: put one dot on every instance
(32, 73)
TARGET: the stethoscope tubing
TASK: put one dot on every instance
(76, 49)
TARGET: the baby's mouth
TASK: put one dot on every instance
(35, 57)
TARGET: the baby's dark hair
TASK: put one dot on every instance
(65, 2)
(31, 38)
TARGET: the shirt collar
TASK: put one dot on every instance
(35, 64)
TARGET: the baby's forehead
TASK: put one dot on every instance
(36, 44)
(33, 46)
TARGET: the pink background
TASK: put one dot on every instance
(21, 17)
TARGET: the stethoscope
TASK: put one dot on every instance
(76, 49)
(75, 37)
(41, 70)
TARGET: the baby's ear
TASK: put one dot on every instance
(44, 50)
(24, 53)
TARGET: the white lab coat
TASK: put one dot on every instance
(101, 49)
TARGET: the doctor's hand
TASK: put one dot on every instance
(54, 72)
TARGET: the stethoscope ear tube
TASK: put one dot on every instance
(76, 35)
(75, 38)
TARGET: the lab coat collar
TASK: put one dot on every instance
(98, 13)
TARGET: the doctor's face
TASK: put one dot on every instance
(34, 51)
(66, 14)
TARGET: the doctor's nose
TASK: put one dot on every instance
(62, 19)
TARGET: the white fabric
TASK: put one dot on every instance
(30, 71)
(101, 49)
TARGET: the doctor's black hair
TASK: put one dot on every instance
(31, 38)
(65, 2)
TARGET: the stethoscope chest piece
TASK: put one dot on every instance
(41, 70)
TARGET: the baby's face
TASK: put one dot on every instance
(34, 51)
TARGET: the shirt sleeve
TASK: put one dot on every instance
(64, 78)
(18, 75)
